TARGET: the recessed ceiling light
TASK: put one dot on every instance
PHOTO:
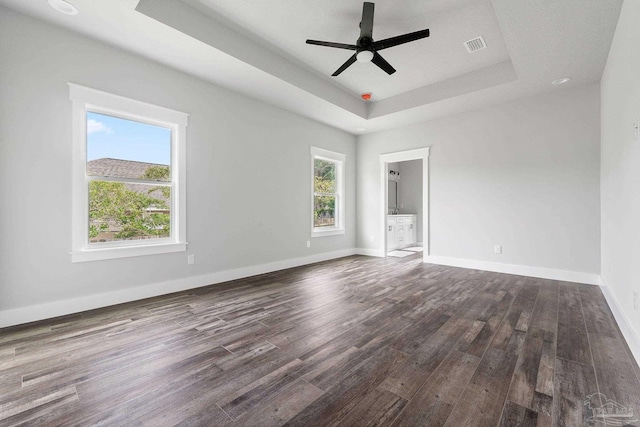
(63, 7)
(560, 81)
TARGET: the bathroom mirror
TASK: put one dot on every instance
(393, 195)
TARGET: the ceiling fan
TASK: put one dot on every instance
(366, 48)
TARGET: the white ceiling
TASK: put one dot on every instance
(287, 25)
(258, 48)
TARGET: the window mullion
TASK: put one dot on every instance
(128, 180)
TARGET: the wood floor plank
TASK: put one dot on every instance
(239, 402)
(313, 368)
(522, 307)
(344, 393)
(515, 415)
(23, 408)
(600, 319)
(532, 383)
(23, 333)
(614, 372)
(433, 403)
(283, 406)
(544, 379)
(492, 318)
(379, 407)
(482, 401)
(383, 331)
(7, 352)
(573, 343)
(574, 383)
(417, 333)
(120, 395)
(615, 369)
(351, 341)
(416, 370)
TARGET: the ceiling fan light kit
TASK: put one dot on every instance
(366, 48)
(364, 56)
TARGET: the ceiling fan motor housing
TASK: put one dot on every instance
(365, 42)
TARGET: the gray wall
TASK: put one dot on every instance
(620, 174)
(248, 195)
(524, 175)
(410, 191)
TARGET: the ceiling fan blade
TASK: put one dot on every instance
(366, 25)
(345, 65)
(382, 63)
(405, 38)
(331, 44)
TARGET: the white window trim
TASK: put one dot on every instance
(86, 99)
(339, 158)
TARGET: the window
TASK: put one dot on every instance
(328, 192)
(128, 177)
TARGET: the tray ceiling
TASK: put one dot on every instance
(258, 48)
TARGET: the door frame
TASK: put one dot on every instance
(403, 156)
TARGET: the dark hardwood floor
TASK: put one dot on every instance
(354, 341)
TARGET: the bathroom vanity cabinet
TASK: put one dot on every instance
(401, 231)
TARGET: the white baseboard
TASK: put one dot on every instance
(520, 270)
(370, 252)
(631, 335)
(33, 313)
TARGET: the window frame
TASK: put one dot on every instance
(85, 100)
(339, 159)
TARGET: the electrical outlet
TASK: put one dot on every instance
(372, 238)
(497, 249)
(636, 129)
(308, 243)
(191, 259)
(635, 301)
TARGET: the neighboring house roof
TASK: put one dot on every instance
(127, 169)
(119, 168)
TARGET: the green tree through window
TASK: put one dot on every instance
(120, 211)
(324, 213)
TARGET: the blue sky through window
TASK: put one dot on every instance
(118, 138)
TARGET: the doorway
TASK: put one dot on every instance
(422, 155)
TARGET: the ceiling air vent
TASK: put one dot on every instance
(476, 44)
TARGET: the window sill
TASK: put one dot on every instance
(126, 251)
(328, 232)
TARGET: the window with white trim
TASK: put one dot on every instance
(327, 200)
(128, 177)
